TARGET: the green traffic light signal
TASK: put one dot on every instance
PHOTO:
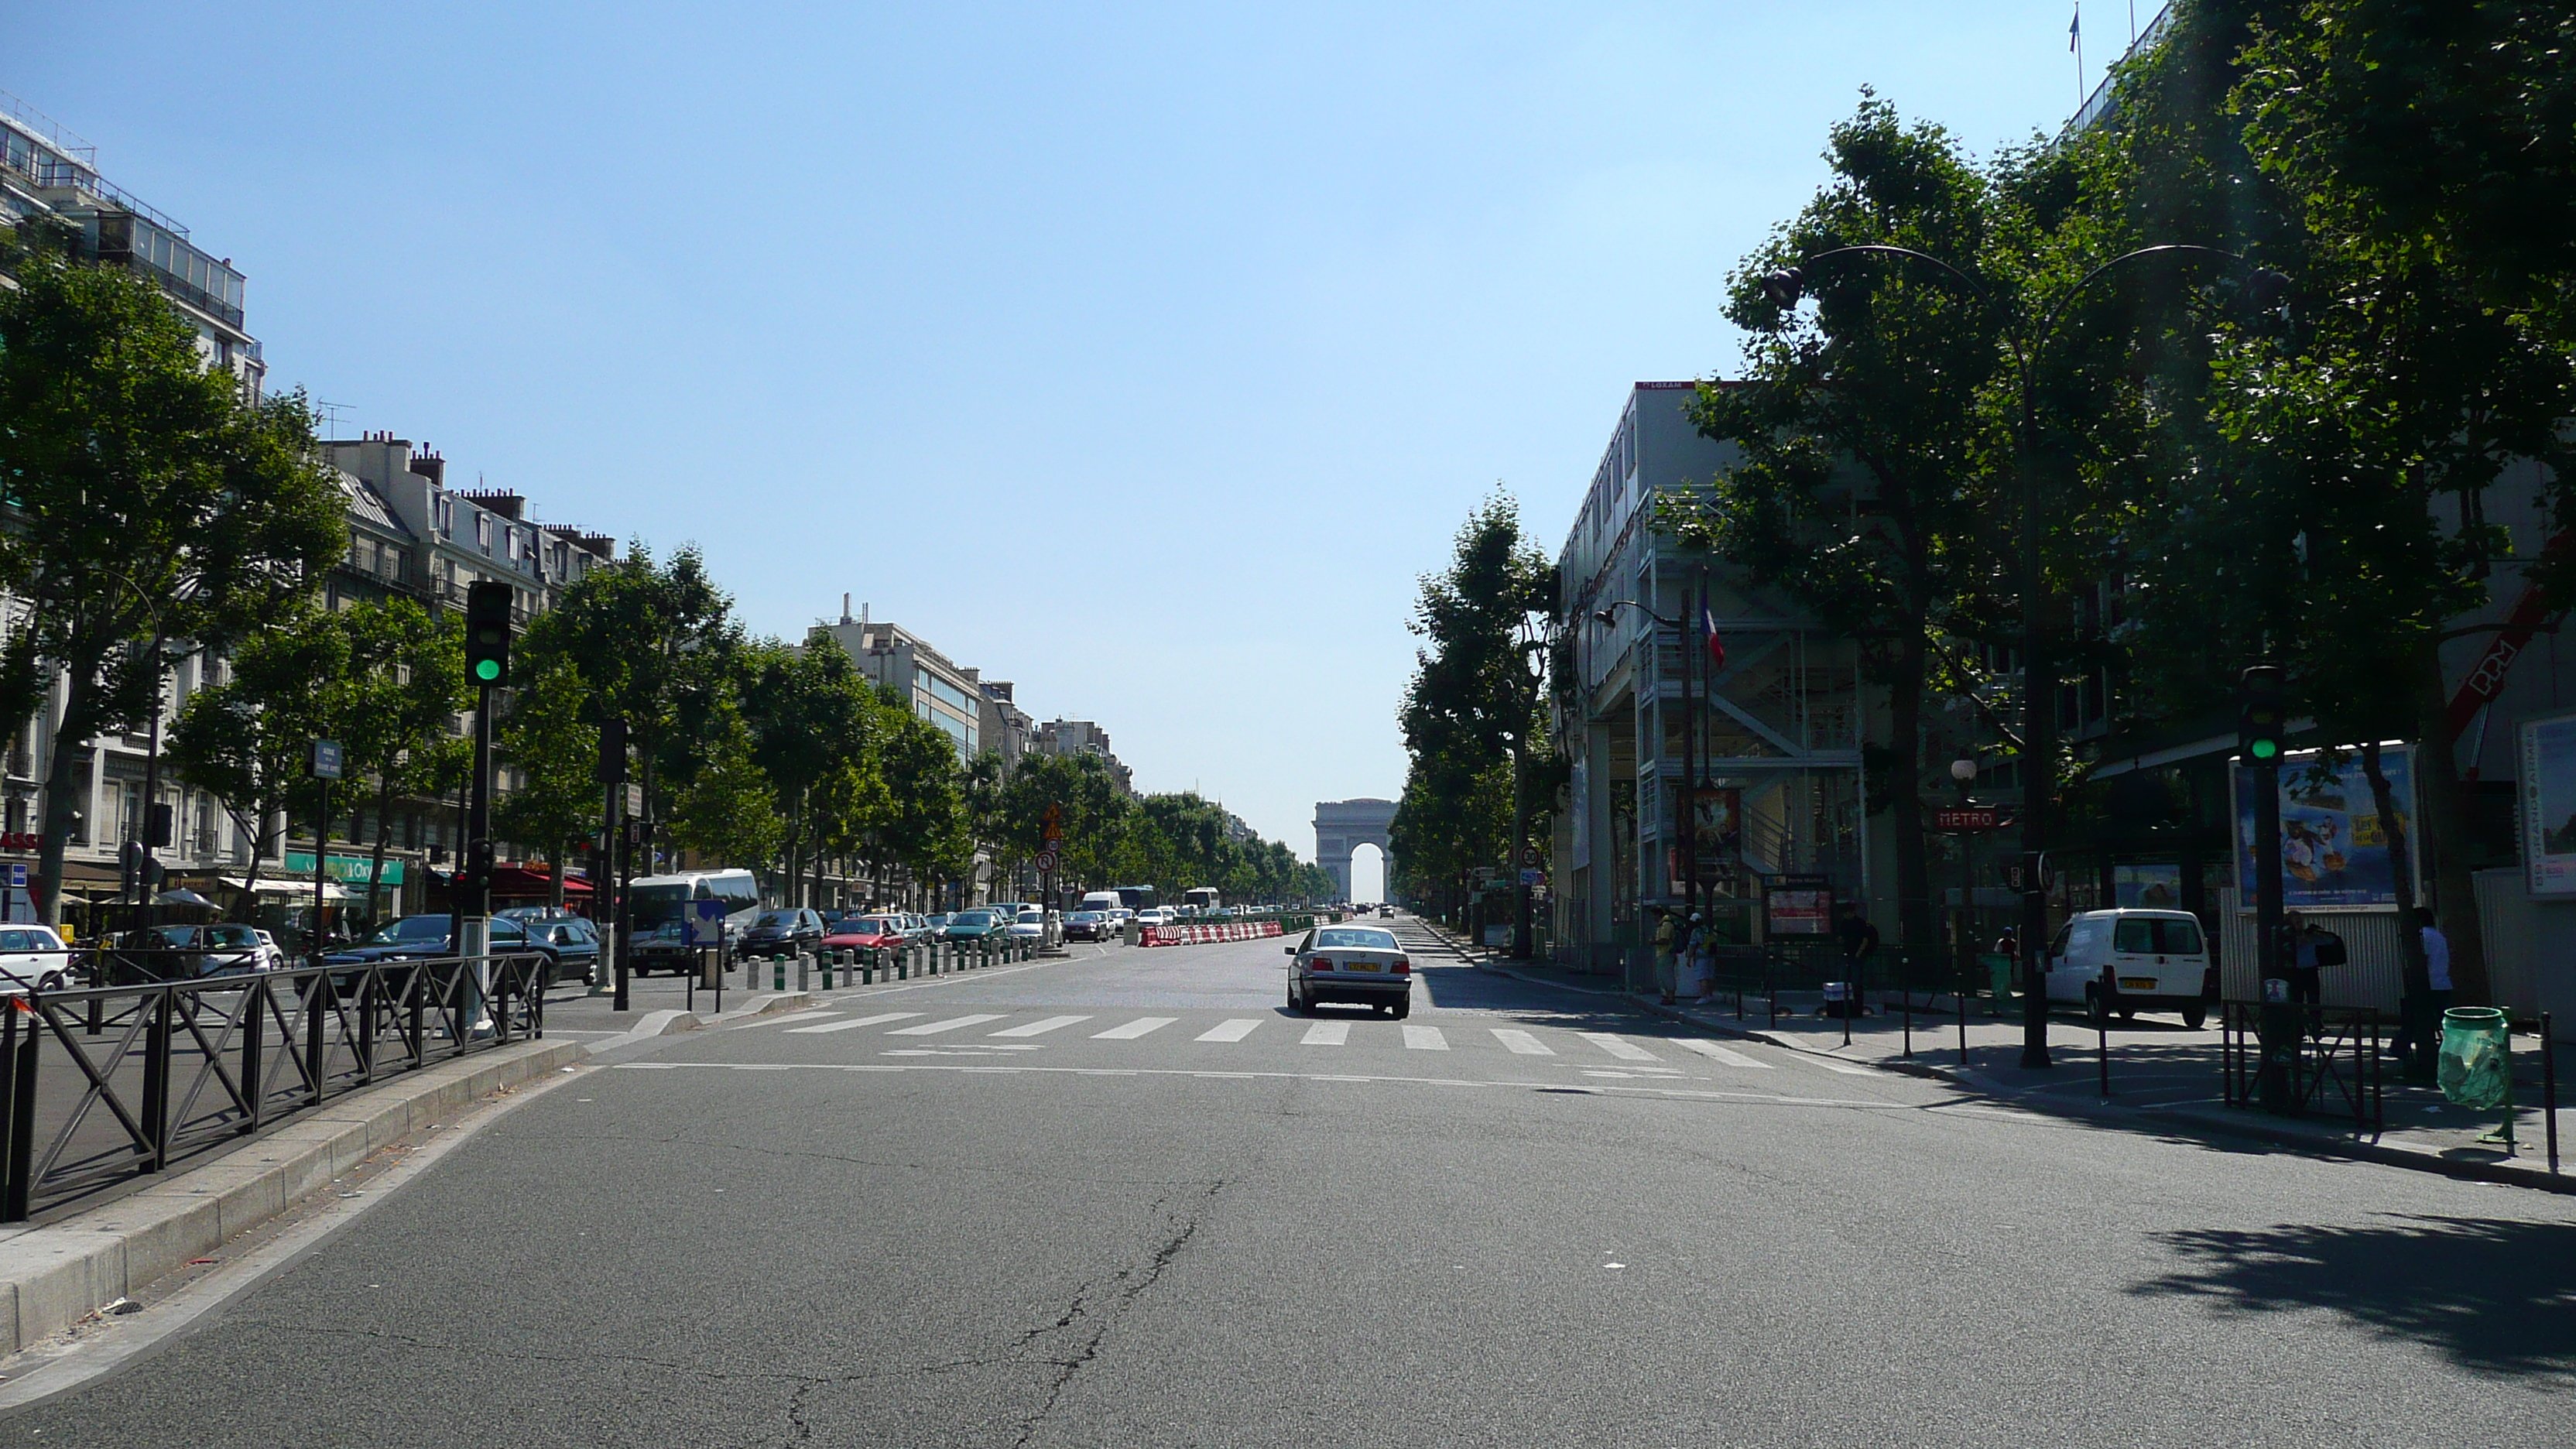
(487, 670)
(2265, 749)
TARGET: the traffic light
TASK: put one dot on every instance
(487, 633)
(2262, 715)
(612, 752)
(479, 860)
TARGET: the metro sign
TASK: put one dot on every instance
(1977, 817)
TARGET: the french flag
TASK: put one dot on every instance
(1708, 631)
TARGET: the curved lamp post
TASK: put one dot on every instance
(2267, 290)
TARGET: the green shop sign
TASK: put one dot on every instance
(348, 869)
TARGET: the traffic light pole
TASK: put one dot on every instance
(477, 934)
(2262, 717)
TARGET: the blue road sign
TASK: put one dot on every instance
(706, 923)
(18, 877)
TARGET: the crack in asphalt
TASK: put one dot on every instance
(1131, 1284)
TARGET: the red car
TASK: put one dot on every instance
(865, 933)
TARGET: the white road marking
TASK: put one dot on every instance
(1327, 1033)
(1425, 1039)
(1521, 1042)
(1714, 1052)
(1829, 1064)
(786, 1016)
(1235, 1030)
(934, 1028)
(1626, 1051)
(1134, 1029)
(855, 1021)
(1041, 1028)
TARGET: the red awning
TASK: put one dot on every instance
(534, 883)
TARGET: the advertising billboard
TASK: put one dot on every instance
(1717, 831)
(2333, 853)
(1798, 905)
(2549, 805)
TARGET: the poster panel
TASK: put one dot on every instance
(1798, 905)
(2332, 851)
(2549, 805)
(2151, 885)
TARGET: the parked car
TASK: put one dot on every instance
(2130, 960)
(31, 959)
(1030, 924)
(866, 933)
(1362, 965)
(182, 953)
(1088, 926)
(575, 945)
(788, 932)
(939, 921)
(975, 925)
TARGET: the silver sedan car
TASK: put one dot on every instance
(1360, 965)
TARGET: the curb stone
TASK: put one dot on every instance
(55, 1275)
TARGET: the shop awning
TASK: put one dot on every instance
(287, 886)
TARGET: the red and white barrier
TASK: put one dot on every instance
(1207, 935)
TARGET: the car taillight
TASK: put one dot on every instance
(1402, 966)
(1319, 964)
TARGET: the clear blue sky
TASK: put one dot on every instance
(1142, 355)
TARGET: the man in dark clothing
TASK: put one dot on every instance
(1860, 942)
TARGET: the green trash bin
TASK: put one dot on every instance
(2477, 1057)
(1999, 974)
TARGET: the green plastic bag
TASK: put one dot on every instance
(2477, 1057)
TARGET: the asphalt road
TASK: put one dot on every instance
(1127, 1199)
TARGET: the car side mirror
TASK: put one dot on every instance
(1291, 950)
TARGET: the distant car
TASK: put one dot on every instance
(866, 933)
(1361, 965)
(975, 925)
(1029, 925)
(1088, 926)
(179, 953)
(423, 938)
(789, 931)
(1385, 911)
(574, 943)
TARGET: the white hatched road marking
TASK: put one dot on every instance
(1327, 1033)
(781, 1020)
(1829, 1064)
(934, 1028)
(1425, 1039)
(1235, 1030)
(1521, 1042)
(1041, 1028)
(855, 1021)
(1626, 1051)
(1134, 1029)
(1714, 1052)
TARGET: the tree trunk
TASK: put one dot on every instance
(2410, 941)
(2455, 898)
(384, 839)
(80, 691)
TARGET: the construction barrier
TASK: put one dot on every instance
(1208, 935)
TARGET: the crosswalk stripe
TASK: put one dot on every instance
(856, 1021)
(1327, 1033)
(1235, 1030)
(1714, 1052)
(1425, 1039)
(934, 1028)
(1041, 1028)
(1626, 1051)
(1521, 1042)
(1829, 1064)
(795, 1016)
(1134, 1029)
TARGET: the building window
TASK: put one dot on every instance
(483, 531)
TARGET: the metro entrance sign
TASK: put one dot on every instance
(1972, 817)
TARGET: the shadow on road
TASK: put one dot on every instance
(2495, 1296)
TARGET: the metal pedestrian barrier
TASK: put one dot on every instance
(110, 1082)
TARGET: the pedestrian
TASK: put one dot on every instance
(1667, 928)
(1702, 976)
(2419, 1012)
(2299, 966)
(2008, 946)
(1860, 942)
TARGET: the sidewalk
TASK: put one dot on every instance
(2161, 1074)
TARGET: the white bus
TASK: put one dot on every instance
(661, 906)
(1200, 899)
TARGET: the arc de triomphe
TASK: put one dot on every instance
(1341, 825)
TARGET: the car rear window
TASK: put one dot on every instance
(2156, 936)
(1347, 940)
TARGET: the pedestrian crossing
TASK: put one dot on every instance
(1638, 1052)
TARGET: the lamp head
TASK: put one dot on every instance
(1784, 287)
(1605, 617)
(1963, 769)
(2268, 290)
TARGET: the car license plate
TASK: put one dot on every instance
(1361, 966)
(2137, 983)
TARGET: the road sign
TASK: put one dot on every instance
(706, 923)
(1978, 817)
(18, 876)
(326, 759)
(1529, 855)
(1045, 862)
(1532, 877)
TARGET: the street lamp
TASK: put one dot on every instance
(1685, 839)
(2265, 290)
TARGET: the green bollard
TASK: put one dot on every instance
(778, 973)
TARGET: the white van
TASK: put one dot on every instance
(2128, 961)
